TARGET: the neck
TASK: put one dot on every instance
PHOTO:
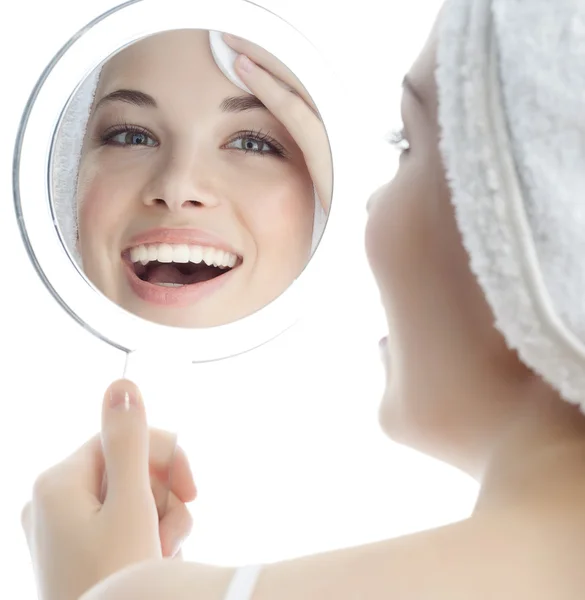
(539, 456)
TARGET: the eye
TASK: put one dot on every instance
(249, 144)
(256, 143)
(128, 136)
(398, 140)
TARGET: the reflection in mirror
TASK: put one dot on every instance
(183, 198)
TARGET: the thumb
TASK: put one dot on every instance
(125, 442)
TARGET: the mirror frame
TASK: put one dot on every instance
(92, 46)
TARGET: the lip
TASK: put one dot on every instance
(169, 296)
(373, 199)
(383, 346)
(191, 237)
(369, 204)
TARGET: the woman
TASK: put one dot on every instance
(195, 205)
(455, 391)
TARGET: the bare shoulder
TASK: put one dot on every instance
(504, 556)
(508, 556)
(519, 554)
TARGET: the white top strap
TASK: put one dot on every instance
(243, 583)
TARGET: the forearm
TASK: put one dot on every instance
(164, 580)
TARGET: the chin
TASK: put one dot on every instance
(389, 415)
(181, 317)
(401, 424)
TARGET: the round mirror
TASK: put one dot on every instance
(173, 183)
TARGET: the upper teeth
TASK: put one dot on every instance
(182, 253)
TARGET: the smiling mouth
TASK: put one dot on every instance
(177, 266)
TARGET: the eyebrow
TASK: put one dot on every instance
(237, 104)
(231, 104)
(130, 97)
(408, 85)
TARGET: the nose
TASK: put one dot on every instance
(182, 184)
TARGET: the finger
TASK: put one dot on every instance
(125, 440)
(175, 527)
(168, 467)
(160, 493)
(303, 125)
(270, 63)
(162, 449)
(169, 471)
(277, 99)
(182, 483)
(169, 463)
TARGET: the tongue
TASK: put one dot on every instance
(170, 273)
(166, 273)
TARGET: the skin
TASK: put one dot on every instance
(493, 417)
(130, 520)
(454, 391)
(189, 172)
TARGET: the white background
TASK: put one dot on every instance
(284, 442)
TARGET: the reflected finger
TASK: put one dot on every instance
(270, 63)
(288, 108)
(304, 126)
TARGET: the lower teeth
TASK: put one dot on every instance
(169, 284)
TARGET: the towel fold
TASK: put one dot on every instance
(511, 82)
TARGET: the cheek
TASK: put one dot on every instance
(279, 211)
(415, 252)
(430, 295)
(99, 208)
(398, 228)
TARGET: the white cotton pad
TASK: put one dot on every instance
(225, 57)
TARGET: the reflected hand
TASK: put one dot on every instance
(79, 531)
(264, 75)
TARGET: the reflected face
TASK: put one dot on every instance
(195, 206)
(446, 364)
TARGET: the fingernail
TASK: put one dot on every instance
(245, 63)
(228, 37)
(123, 397)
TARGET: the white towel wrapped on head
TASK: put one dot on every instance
(511, 82)
(66, 156)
